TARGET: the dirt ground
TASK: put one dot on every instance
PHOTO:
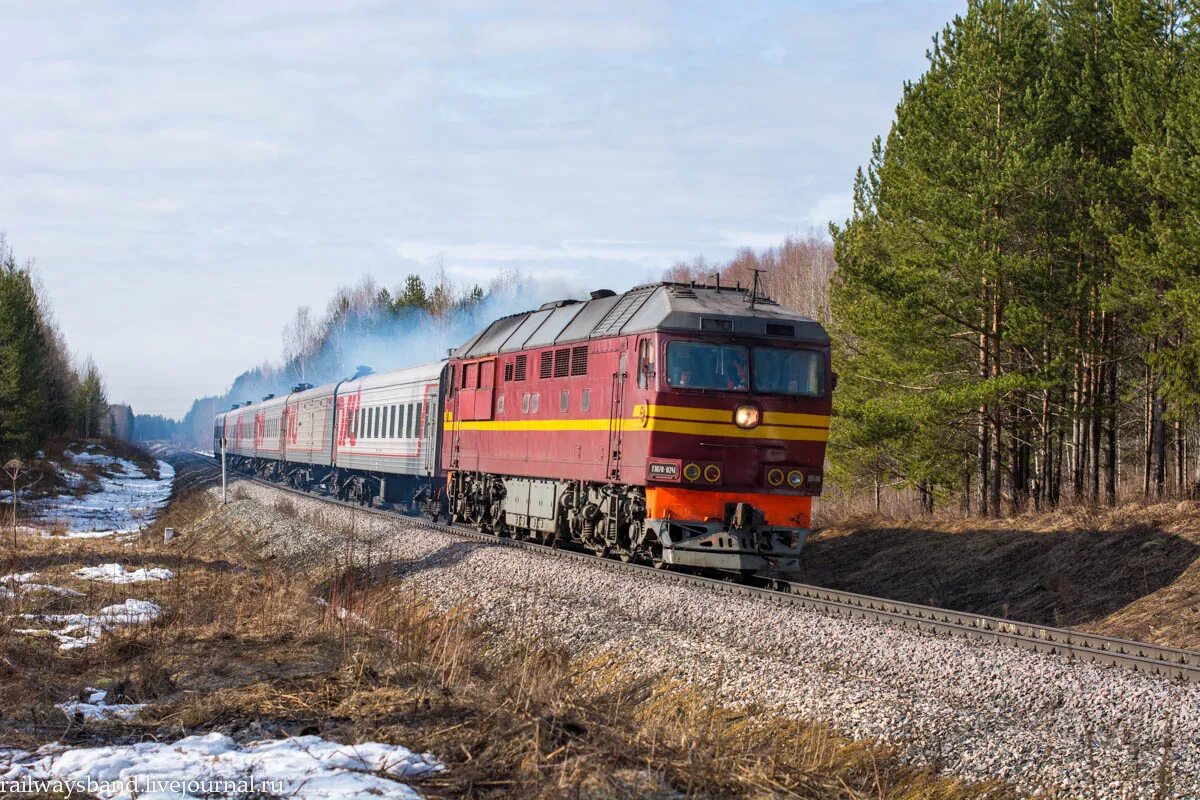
(1131, 572)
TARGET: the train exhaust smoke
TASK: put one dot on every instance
(369, 326)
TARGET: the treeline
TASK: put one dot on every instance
(41, 394)
(1017, 303)
(365, 325)
(796, 274)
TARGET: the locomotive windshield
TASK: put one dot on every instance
(727, 367)
(796, 372)
(692, 365)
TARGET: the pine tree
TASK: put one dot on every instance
(91, 405)
(946, 274)
(24, 353)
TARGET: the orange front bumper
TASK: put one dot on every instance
(782, 510)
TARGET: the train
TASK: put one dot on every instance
(679, 425)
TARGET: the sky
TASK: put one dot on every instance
(186, 175)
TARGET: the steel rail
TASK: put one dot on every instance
(1169, 662)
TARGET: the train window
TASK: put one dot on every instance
(782, 371)
(508, 371)
(645, 363)
(525, 403)
(533, 402)
(410, 428)
(499, 404)
(562, 362)
(579, 359)
(696, 365)
(547, 365)
(519, 368)
(585, 400)
(564, 400)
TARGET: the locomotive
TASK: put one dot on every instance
(673, 424)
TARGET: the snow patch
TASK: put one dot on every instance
(124, 500)
(81, 630)
(215, 765)
(115, 573)
(12, 586)
(95, 708)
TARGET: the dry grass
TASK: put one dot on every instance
(245, 648)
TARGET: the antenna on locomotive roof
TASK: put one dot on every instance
(717, 275)
(754, 298)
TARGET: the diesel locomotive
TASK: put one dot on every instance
(673, 424)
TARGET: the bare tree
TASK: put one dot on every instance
(301, 338)
(798, 273)
(17, 471)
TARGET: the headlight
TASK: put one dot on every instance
(692, 472)
(775, 476)
(796, 479)
(712, 473)
(747, 416)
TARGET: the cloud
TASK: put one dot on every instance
(834, 207)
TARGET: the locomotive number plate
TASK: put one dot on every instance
(662, 471)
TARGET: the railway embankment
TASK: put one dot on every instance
(973, 711)
(1132, 572)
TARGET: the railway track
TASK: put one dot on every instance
(1168, 662)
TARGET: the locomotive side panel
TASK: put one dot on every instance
(550, 413)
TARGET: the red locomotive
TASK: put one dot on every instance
(673, 424)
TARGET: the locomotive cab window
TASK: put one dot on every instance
(645, 363)
(695, 365)
(795, 372)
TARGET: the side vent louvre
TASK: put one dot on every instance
(579, 359)
(779, 329)
(547, 365)
(519, 370)
(562, 362)
(508, 371)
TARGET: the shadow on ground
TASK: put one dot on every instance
(1064, 578)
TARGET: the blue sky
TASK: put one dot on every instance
(187, 175)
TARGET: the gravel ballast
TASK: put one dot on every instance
(976, 710)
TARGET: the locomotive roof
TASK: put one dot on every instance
(655, 306)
